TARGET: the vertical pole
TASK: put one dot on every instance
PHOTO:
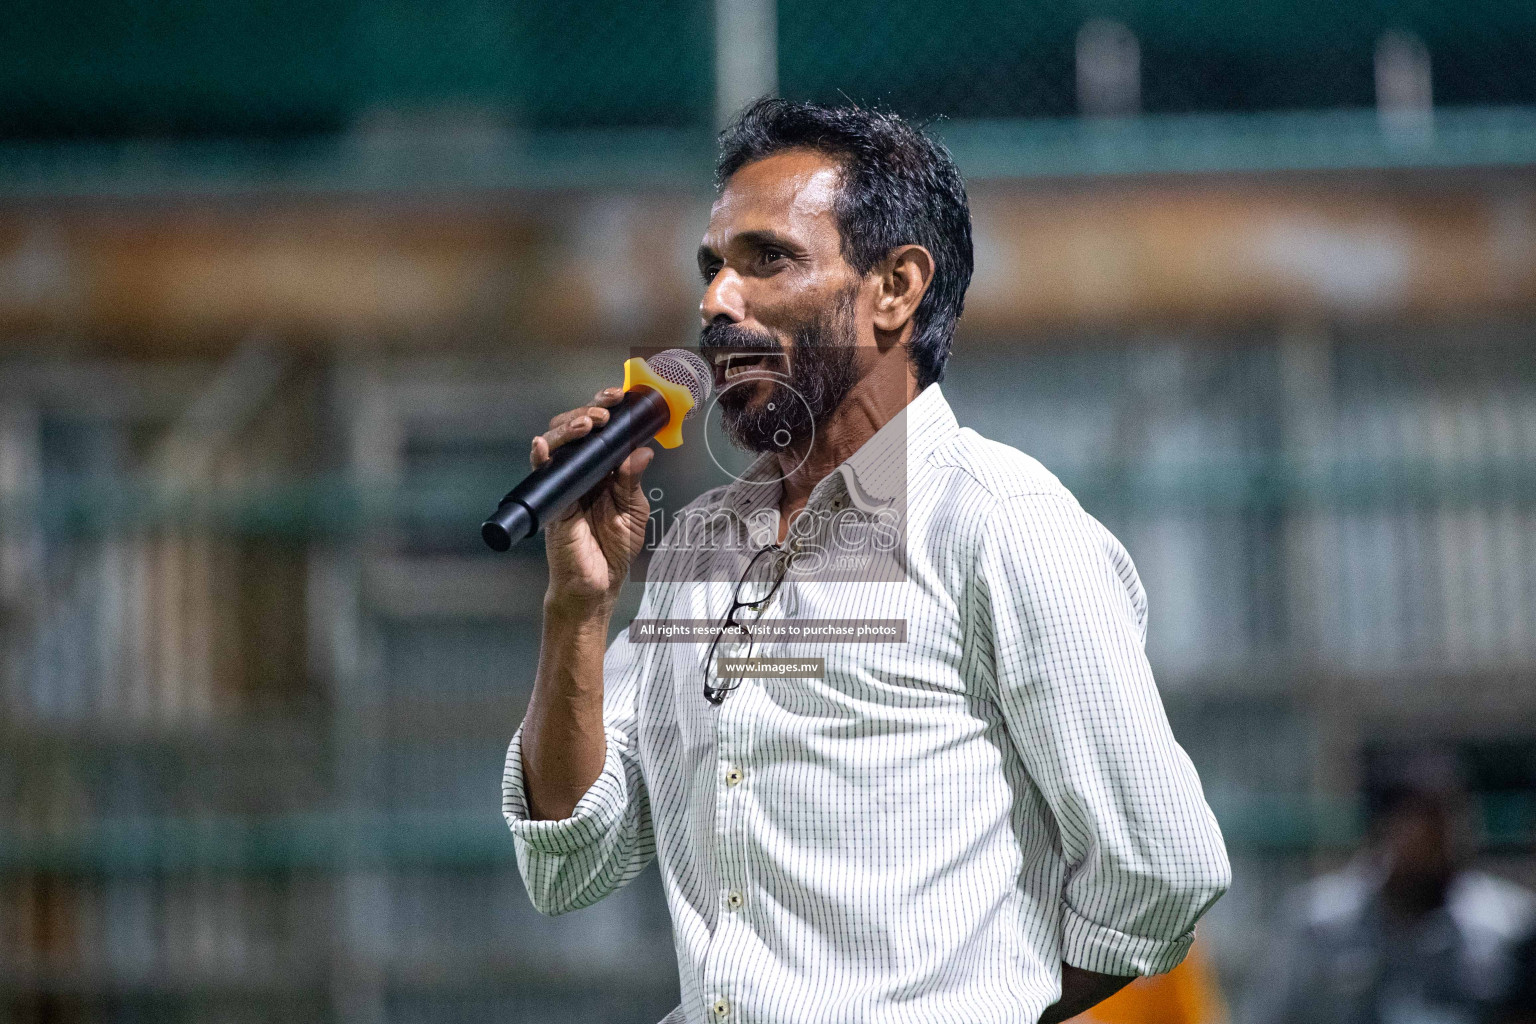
(1404, 90)
(746, 54)
(363, 891)
(1108, 70)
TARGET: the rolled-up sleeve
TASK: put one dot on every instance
(1066, 613)
(608, 839)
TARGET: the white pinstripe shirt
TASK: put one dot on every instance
(928, 832)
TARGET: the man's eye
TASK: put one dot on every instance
(774, 255)
(710, 271)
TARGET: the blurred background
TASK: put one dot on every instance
(286, 287)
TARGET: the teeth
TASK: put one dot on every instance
(738, 363)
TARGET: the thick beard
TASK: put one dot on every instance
(824, 369)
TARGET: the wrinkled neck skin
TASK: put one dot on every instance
(883, 391)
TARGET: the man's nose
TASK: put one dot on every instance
(723, 298)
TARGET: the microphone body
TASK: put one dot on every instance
(659, 394)
(574, 469)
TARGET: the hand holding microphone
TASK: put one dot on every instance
(592, 542)
(585, 486)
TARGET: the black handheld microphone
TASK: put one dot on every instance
(660, 393)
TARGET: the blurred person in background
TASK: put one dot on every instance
(989, 822)
(1408, 932)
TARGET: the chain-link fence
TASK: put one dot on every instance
(253, 734)
(258, 672)
(83, 68)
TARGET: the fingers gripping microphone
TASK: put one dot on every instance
(659, 394)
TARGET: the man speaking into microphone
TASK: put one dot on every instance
(973, 811)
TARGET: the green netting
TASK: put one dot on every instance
(96, 69)
(1017, 59)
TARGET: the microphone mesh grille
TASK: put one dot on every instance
(686, 369)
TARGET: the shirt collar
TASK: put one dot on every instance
(872, 478)
(876, 474)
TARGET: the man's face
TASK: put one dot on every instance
(781, 312)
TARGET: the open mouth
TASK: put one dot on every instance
(733, 366)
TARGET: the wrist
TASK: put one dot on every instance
(578, 609)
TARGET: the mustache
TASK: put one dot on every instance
(718, 337)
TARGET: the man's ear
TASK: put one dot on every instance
(902, 280)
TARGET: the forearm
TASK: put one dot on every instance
(1080, 990)
(563, 742)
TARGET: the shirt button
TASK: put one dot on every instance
(837, 504)
(735, 899)
(721, 1008)
(732, 776)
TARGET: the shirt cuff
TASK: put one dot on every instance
(1094, 947)
(595, 815)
